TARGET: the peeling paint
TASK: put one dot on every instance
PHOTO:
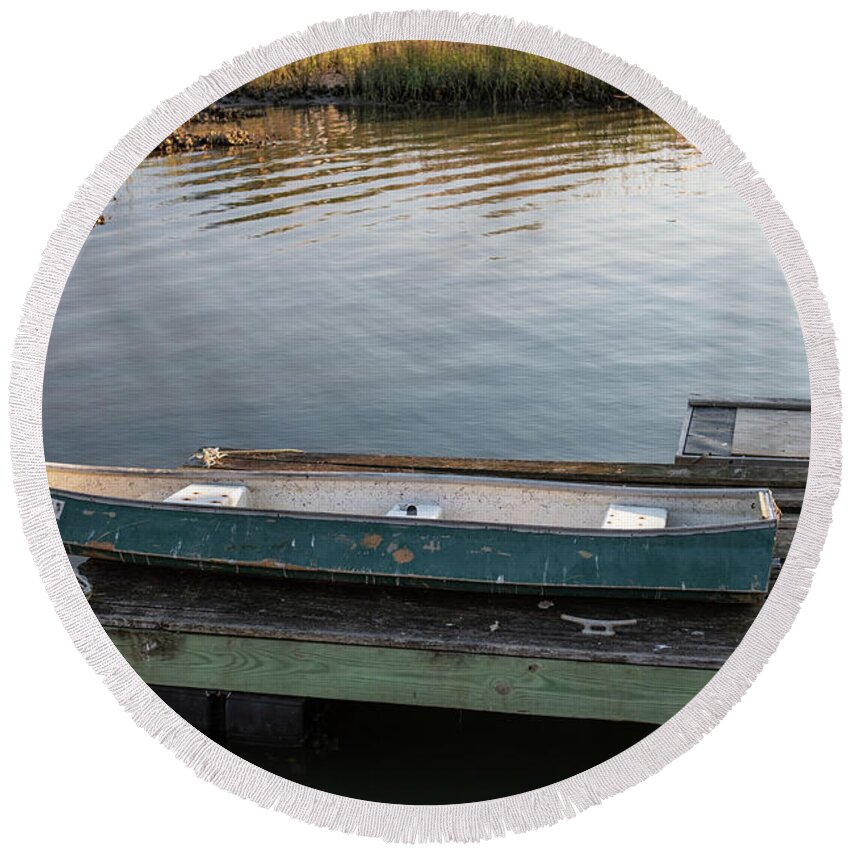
(403, 556)
(371, 541)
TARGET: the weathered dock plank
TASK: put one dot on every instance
(710, 431)
(732, 472)
(760, 402)
(516, 685)
(753, 431)
(416, 647)
(772, 433)
(691, 634)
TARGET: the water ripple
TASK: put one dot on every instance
(544, 284)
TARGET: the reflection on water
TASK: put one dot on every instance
(533, 284)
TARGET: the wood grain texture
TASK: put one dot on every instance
(152, 600)
(756, 432)
(766, 403)
(710, 431)
(696, 472)
(772, 433)
(412, 677)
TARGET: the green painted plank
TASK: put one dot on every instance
(554, 688)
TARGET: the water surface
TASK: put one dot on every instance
(536, 284)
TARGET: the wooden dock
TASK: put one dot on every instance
(516, 655)
(769, 431)
(415, 647)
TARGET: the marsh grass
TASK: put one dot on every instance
(432, 72)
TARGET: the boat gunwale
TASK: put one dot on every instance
(420, 522)
(228, 475)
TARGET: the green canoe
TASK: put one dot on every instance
(457, 532)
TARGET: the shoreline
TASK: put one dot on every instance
(398, 76)
(219, 126)
(338, 96)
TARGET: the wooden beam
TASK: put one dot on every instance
(513, 685)
(697, 635)
(717, 472)
(747, 401)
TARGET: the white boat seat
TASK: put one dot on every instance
(416, 509)
(226, 495)
(634, 516)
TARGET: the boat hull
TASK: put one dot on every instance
(724, 562)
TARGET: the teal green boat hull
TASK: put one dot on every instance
(723, 562)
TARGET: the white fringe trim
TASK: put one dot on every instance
(473, 821)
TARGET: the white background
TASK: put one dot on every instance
(77, 77)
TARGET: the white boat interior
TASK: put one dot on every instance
(428, 498)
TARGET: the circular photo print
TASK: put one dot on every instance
(426, 422)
